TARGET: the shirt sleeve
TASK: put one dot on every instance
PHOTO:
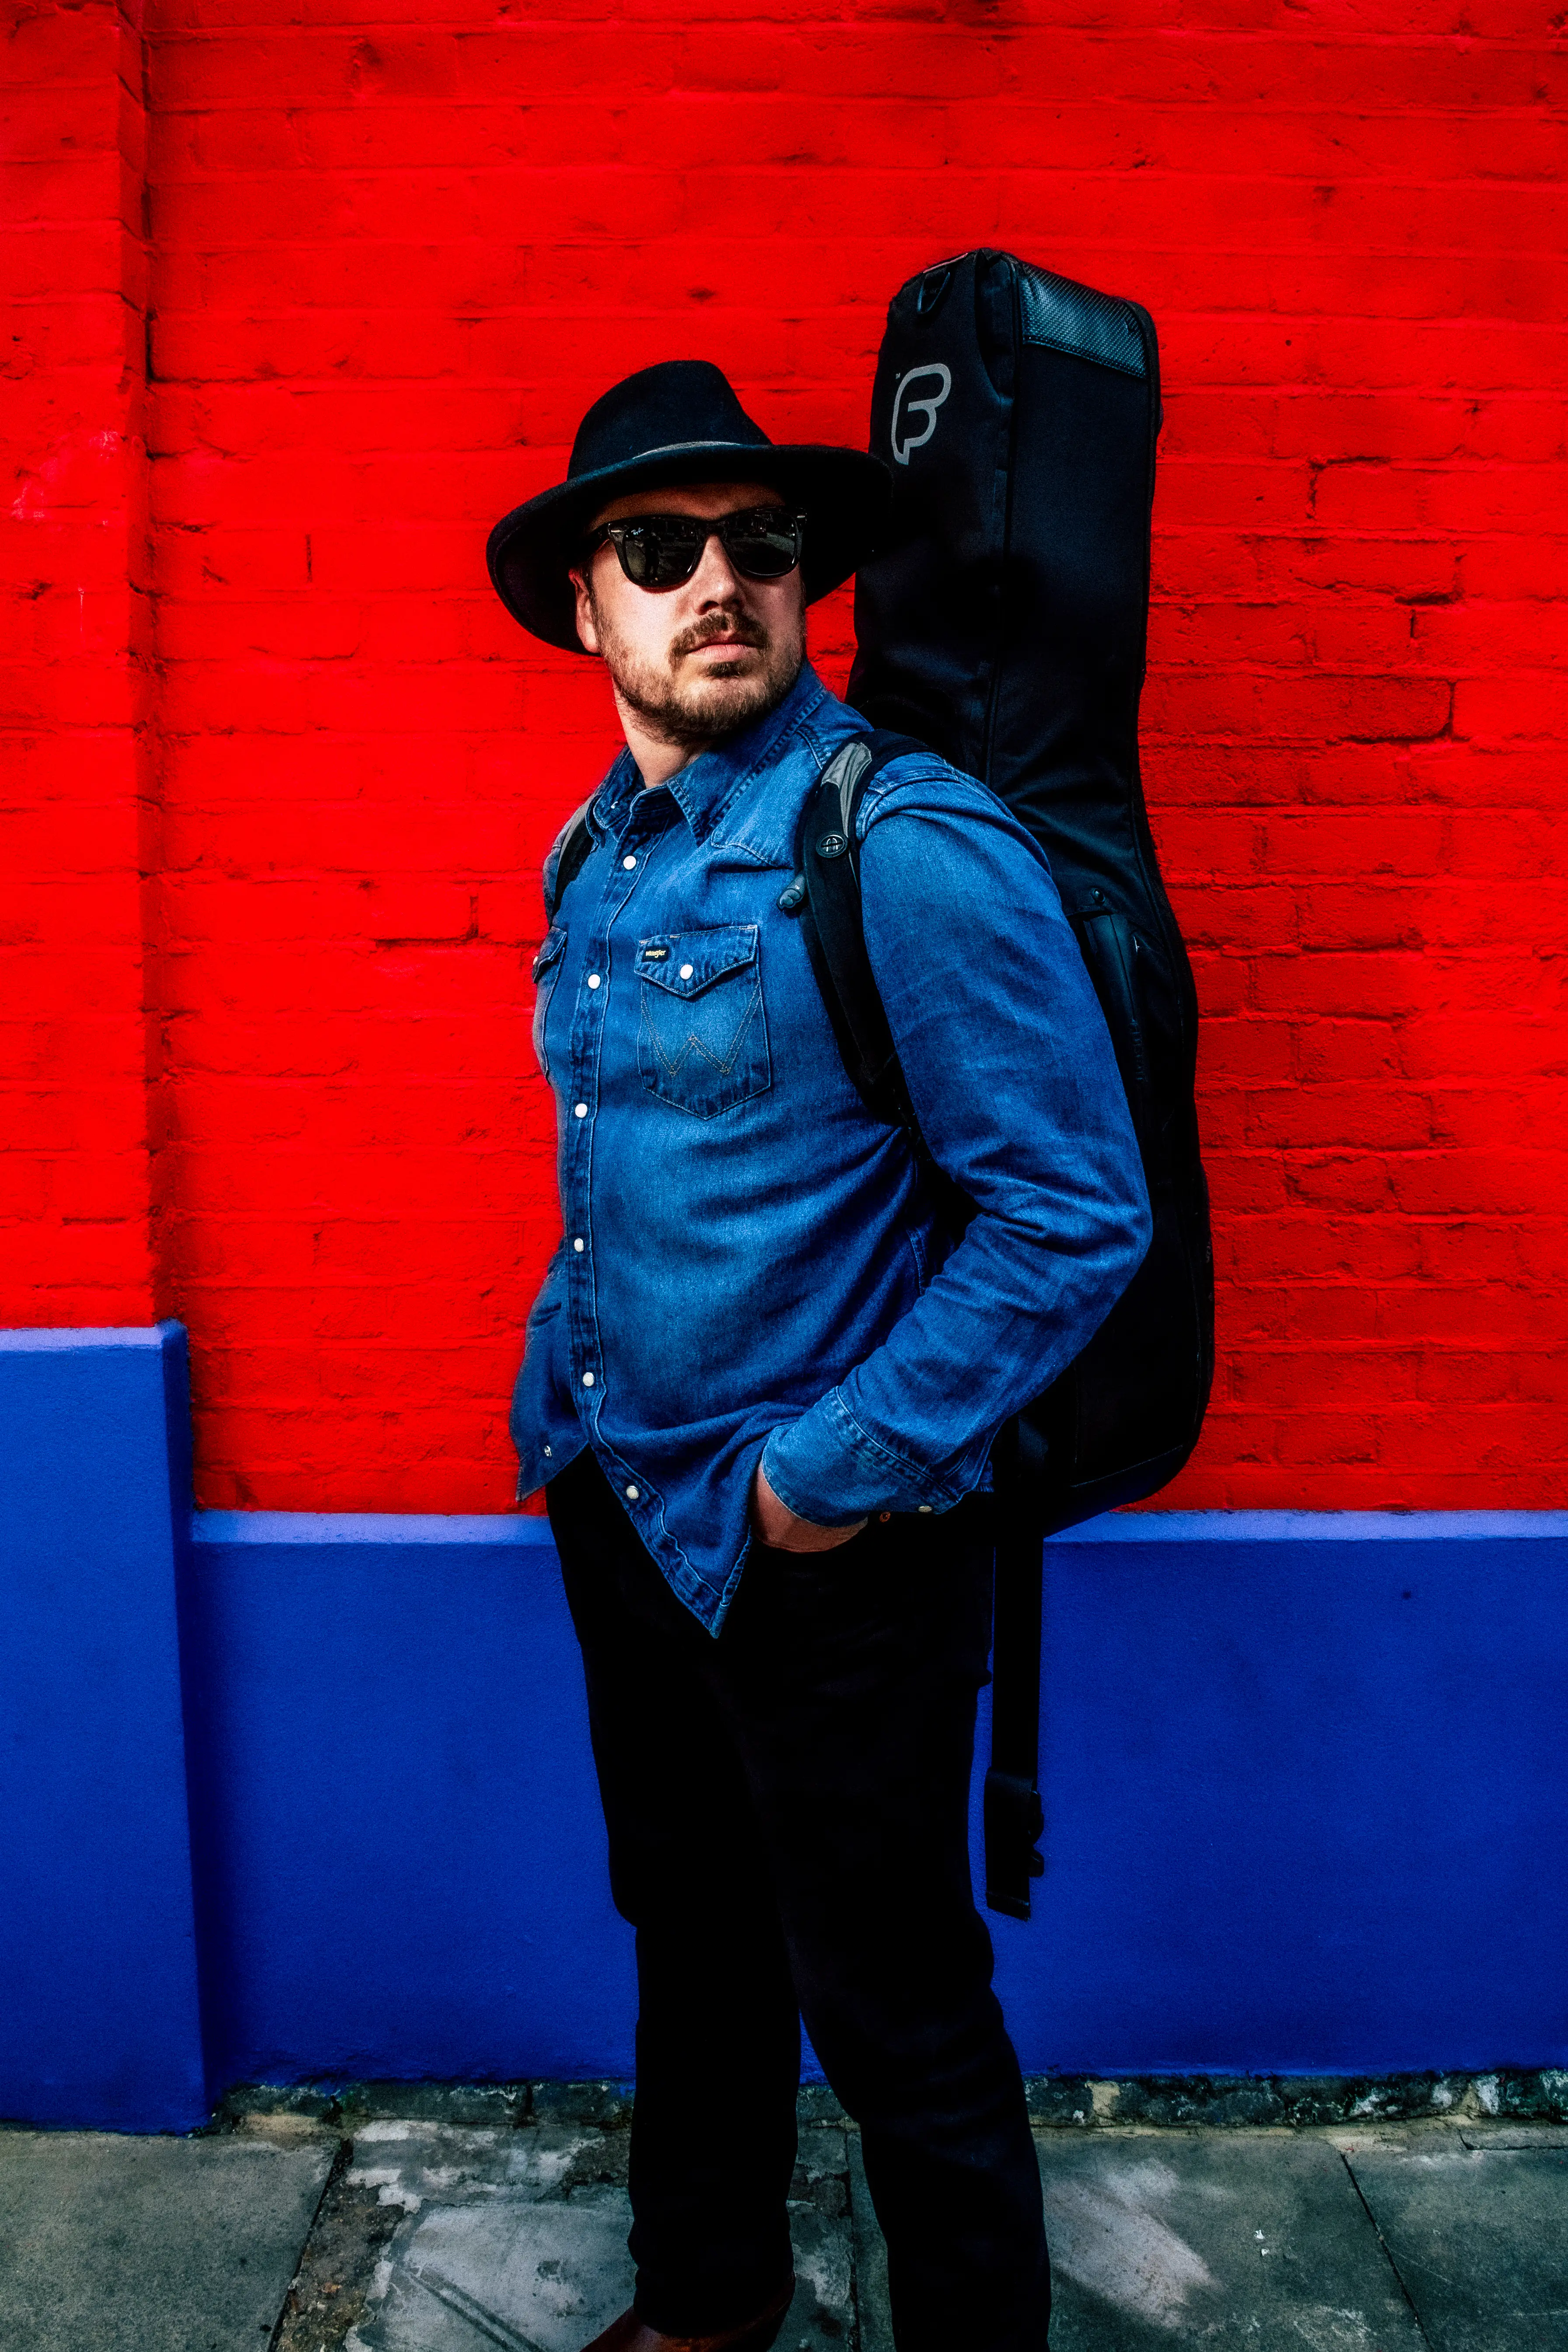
(1013, 1082)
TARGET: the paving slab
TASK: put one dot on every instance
(1166, 2239)
(822, 2316)
(116, 2244)
(519, 2239)
(1479, 2233)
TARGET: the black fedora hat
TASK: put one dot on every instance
(679, 422)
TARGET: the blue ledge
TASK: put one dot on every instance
(1123, 1528)
(1118, 1529)
(367, 1527)
(157, 1338)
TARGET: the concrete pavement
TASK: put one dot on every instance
(113, 2244)
(496, 2217)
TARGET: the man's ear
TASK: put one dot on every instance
(586, 631)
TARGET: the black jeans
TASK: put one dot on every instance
(786, 1810)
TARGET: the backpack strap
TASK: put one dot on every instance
(827, 893)
(827, 861)
(566, 860)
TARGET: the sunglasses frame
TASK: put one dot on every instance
(714, 526)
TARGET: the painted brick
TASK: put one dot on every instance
(395, 249)
(74, 1210)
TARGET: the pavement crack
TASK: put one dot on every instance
(339, 2166)
(1387, 2250)
(333, 2282)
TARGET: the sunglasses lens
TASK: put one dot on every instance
(662, 552)
(763, 543)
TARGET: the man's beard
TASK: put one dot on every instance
(702, 707)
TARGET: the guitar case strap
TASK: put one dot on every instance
(825, 893)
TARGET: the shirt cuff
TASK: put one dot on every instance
(824, 1467)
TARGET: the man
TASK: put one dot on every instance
(762, 1379)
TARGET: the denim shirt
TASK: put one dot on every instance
(753, 1266)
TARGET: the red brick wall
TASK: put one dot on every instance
(75, 830)
(393, 255)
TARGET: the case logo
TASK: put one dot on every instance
(921, 393)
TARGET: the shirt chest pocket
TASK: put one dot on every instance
(546, 972)
(702, 1037)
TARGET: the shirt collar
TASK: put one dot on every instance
(705, 787)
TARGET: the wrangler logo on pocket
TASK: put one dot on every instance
(702, 1039)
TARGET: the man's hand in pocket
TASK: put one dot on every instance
(782, 1531)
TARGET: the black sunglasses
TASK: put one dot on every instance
(661, 551)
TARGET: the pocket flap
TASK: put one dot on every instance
(686, 962)
(550, 948)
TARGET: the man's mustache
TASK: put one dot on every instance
(730, 627)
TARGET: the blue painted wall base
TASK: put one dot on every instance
(98, 2018)
(401, 1859)
(1307, 1809)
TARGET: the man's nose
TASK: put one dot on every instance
(715, 580)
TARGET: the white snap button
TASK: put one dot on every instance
(580, 1111)
(686, 971)
(593, 979)
(587, 1380)
(629, 862)
(925, 1507)
(577, 1242)
(547, 1453)
(631, 1493)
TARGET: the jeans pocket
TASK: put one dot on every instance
(702, 1035)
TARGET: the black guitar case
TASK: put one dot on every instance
(1004, 621)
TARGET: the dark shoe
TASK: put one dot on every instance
(630, 2334)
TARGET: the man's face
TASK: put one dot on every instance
(699, 661)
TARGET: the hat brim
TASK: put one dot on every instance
(844, 494)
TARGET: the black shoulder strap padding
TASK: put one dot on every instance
(829, 859)
(829, 862)
(576, 841)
